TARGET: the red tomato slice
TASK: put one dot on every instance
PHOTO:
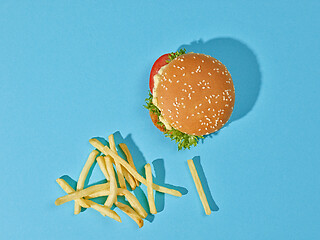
(161, 61)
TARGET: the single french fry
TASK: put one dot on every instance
(100, 193)
(81, 193)
(130, 212)
(102, 165)
(105, 211)
(118, 166)
(113, 183)
(151, 202)
(134, 202)
(129, 178)
(83, 176)
(106, 150)
(126, 151)
(199, 187)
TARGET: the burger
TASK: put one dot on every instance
(191, 95)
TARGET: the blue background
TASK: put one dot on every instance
(72, 70)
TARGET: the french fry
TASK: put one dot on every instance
(130, 212)
(126, 151)
(129, 178)
(103, 168)
(100, 193)
(113, 183)
(151, 202)
(199, 187)
(118, 166)
(68, 189)
(105, 211)
(134, 202)
(83, 176)
(126, 174)
(106, 150)
(82, 193)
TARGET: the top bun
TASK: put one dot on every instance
(195, 94)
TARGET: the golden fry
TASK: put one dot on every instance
(151, 202)
(126, 151)
(102, 165)
(83, 176)
(113, 183)
(199, 187)
(130, 212)
(118, 166)
(129, 178)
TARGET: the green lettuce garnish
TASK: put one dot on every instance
(173, 55)
(182, 139)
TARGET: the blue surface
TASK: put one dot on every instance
(72, 70)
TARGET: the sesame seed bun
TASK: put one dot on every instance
(195, 94)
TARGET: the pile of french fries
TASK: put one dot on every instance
(108, 158)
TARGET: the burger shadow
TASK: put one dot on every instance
(243, 66)
(212, 204)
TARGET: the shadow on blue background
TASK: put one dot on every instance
(212, 204)
(243, 66)
(140, 162)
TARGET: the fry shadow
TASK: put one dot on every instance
(212, 204)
